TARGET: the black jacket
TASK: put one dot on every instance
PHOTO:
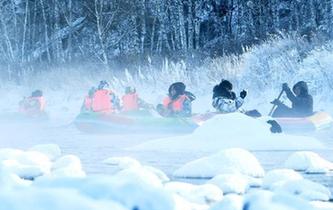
(302, 105)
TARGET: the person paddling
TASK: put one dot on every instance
(88, 100)
(178, 103)
(302, 102)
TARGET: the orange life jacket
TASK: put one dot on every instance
(130, 102)
(175, 105)
(88, 103)
(102, 101)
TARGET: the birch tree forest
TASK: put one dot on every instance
(40, 34)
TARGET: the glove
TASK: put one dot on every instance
(276, 102)
(285, 86)
(243, 94)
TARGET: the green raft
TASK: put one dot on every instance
(134, 122)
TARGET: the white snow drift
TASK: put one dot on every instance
(225, 162)
(229, 131)
(309, 162)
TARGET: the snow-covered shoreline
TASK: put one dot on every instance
(136, 186)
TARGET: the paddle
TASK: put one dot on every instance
(274, 106)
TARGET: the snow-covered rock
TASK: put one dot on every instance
(278, 177)
(68, 165)
(128, 165)
(229, 202)
(10, 180)
(265, 200)
(309, 162)
(305, 189)
(200, 194)
(227, 161)
(140, 174)
(52, 151)
(130, 192)
(27, 165)
(234, 183)
(52, 199)
(230, 131)
(182, 204)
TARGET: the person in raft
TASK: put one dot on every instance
(132, 102)
(301, 100)
(225, 100)
(178, 103)
(88, 100)
(33, 105)
(104, 100)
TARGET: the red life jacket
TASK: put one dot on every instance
(88, 103)
(102, 101)
(176, 105)
(130, 102)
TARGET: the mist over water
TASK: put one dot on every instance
(261, 71)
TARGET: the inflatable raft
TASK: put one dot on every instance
(318, 121)
(137, 122)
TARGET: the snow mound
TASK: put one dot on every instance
(141, 174)
(230, 131)
(278, 177)
(200, 194)
(25, 164)
(227, 161)
(265, 200)
(129, 192)
(234, 183)
(309, 162)
(128, 166)
(306, 189)
(67, 166)
(52, 199)
(9, 180)
(229, 202)
(183, 204)
(52, 151)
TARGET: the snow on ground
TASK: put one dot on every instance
(226, 161)
(309, 162)
(228, 131)
(135, 186)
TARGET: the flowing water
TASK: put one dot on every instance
(93, 149)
